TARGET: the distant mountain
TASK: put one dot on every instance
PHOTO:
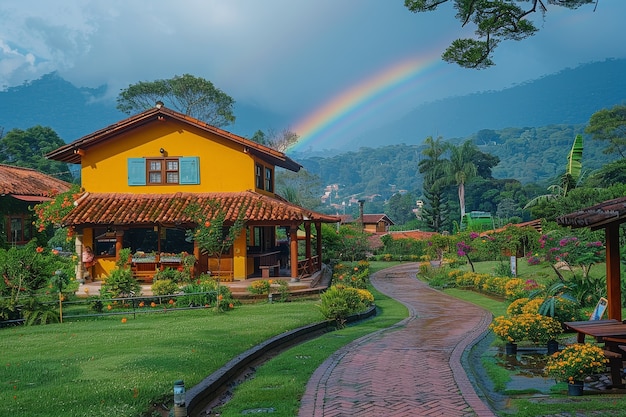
(51, 101)
(570, 96)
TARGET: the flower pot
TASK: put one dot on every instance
(553, 347)
(575, 389)
(510, 348)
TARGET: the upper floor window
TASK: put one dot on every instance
(264, 178)
(258, 175)
(19, 229)
(269, 180)
(163, 171)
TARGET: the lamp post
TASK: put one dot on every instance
(180, 408)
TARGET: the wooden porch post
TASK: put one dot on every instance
(614, 293)
(119, 243)
(307, 229)
(293, 256)
(318, 229)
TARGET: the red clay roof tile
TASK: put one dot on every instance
(21, 181)
(127, 209)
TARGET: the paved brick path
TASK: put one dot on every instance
(410, 369)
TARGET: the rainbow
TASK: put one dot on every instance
(323, 126)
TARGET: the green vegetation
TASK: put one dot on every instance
(118, 367)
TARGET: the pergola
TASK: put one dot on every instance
(607, 215)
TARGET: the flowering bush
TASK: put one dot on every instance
(576, 362)
(339, 301)
(536, 328)
(261, 286)
(354, 275)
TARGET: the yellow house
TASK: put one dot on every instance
(141, 175)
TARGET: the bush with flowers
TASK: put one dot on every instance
(532, 327)
(340, 301)
(260, 286)
(508, 329)
(576, 362)
(354, 275)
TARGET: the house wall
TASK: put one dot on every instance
(223, 166)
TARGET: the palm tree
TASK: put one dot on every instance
(460, 168)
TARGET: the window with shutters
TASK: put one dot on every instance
(163, 171)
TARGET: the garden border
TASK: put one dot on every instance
(212, 387)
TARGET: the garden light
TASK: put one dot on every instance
(180, 408)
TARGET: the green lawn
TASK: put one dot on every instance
(108, 368)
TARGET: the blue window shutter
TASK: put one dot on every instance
(136, 171)
(189, 170)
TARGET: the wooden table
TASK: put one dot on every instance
(610, 332)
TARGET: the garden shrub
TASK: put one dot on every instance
(174, 275)
(210, 290)
(164, 287)
(260, 286)
(339, 301)
(120, 283)
(354, 275)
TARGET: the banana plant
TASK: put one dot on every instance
(569, 179)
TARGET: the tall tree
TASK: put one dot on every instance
(610, 125)
(187, 94)
(495, 20)
(280, 141)
(435, 209)
(460, 168)
(27, 148)
(400, 208)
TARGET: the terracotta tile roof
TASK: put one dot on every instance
(27, 182)
(70, 152)
(127, 209)
(412, 234)
(598, 216)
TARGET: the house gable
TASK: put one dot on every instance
(191, 155)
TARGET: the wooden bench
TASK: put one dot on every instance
(224, 271)
(614, 350)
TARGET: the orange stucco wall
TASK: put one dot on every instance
(223, 165)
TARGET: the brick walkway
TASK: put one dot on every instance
(410, 369)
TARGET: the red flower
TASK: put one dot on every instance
(39, 249)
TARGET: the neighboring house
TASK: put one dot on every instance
(20, 190)
(142, 174)
(376, 223)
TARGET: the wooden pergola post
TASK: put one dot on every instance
(293, 239)
(613, 278)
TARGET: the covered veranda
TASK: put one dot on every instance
(154, 227)
(608, 215)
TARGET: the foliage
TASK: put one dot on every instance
(52, 212)
(26, 148)
(494, 21)
(36, 312)
(339, 301)
(280, 141)
(210, 294)
(260, 286)
(354, 275)
(175, 275)
(610, 125)
(352, 243)
(534, 327)
(164, 286)
(576, 362)
(120, 284)
(194, 96)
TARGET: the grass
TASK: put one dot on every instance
(280, 383)
(107, 368)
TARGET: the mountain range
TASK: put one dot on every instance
(569, 97)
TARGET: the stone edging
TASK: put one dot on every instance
(212, 386)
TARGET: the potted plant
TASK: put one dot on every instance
(574, 363)
(509, 329)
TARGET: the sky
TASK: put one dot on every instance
(329, 69)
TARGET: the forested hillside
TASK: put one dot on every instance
(529, 155)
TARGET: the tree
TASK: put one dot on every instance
(610, 126)
(495, 20)
(400, 208)
(460, 169)
(280, 141)
(301, 188)
(435, 209)
(193, 96)
(27, 148)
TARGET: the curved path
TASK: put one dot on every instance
(410, 369)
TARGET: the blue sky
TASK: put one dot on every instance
(288, 57)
